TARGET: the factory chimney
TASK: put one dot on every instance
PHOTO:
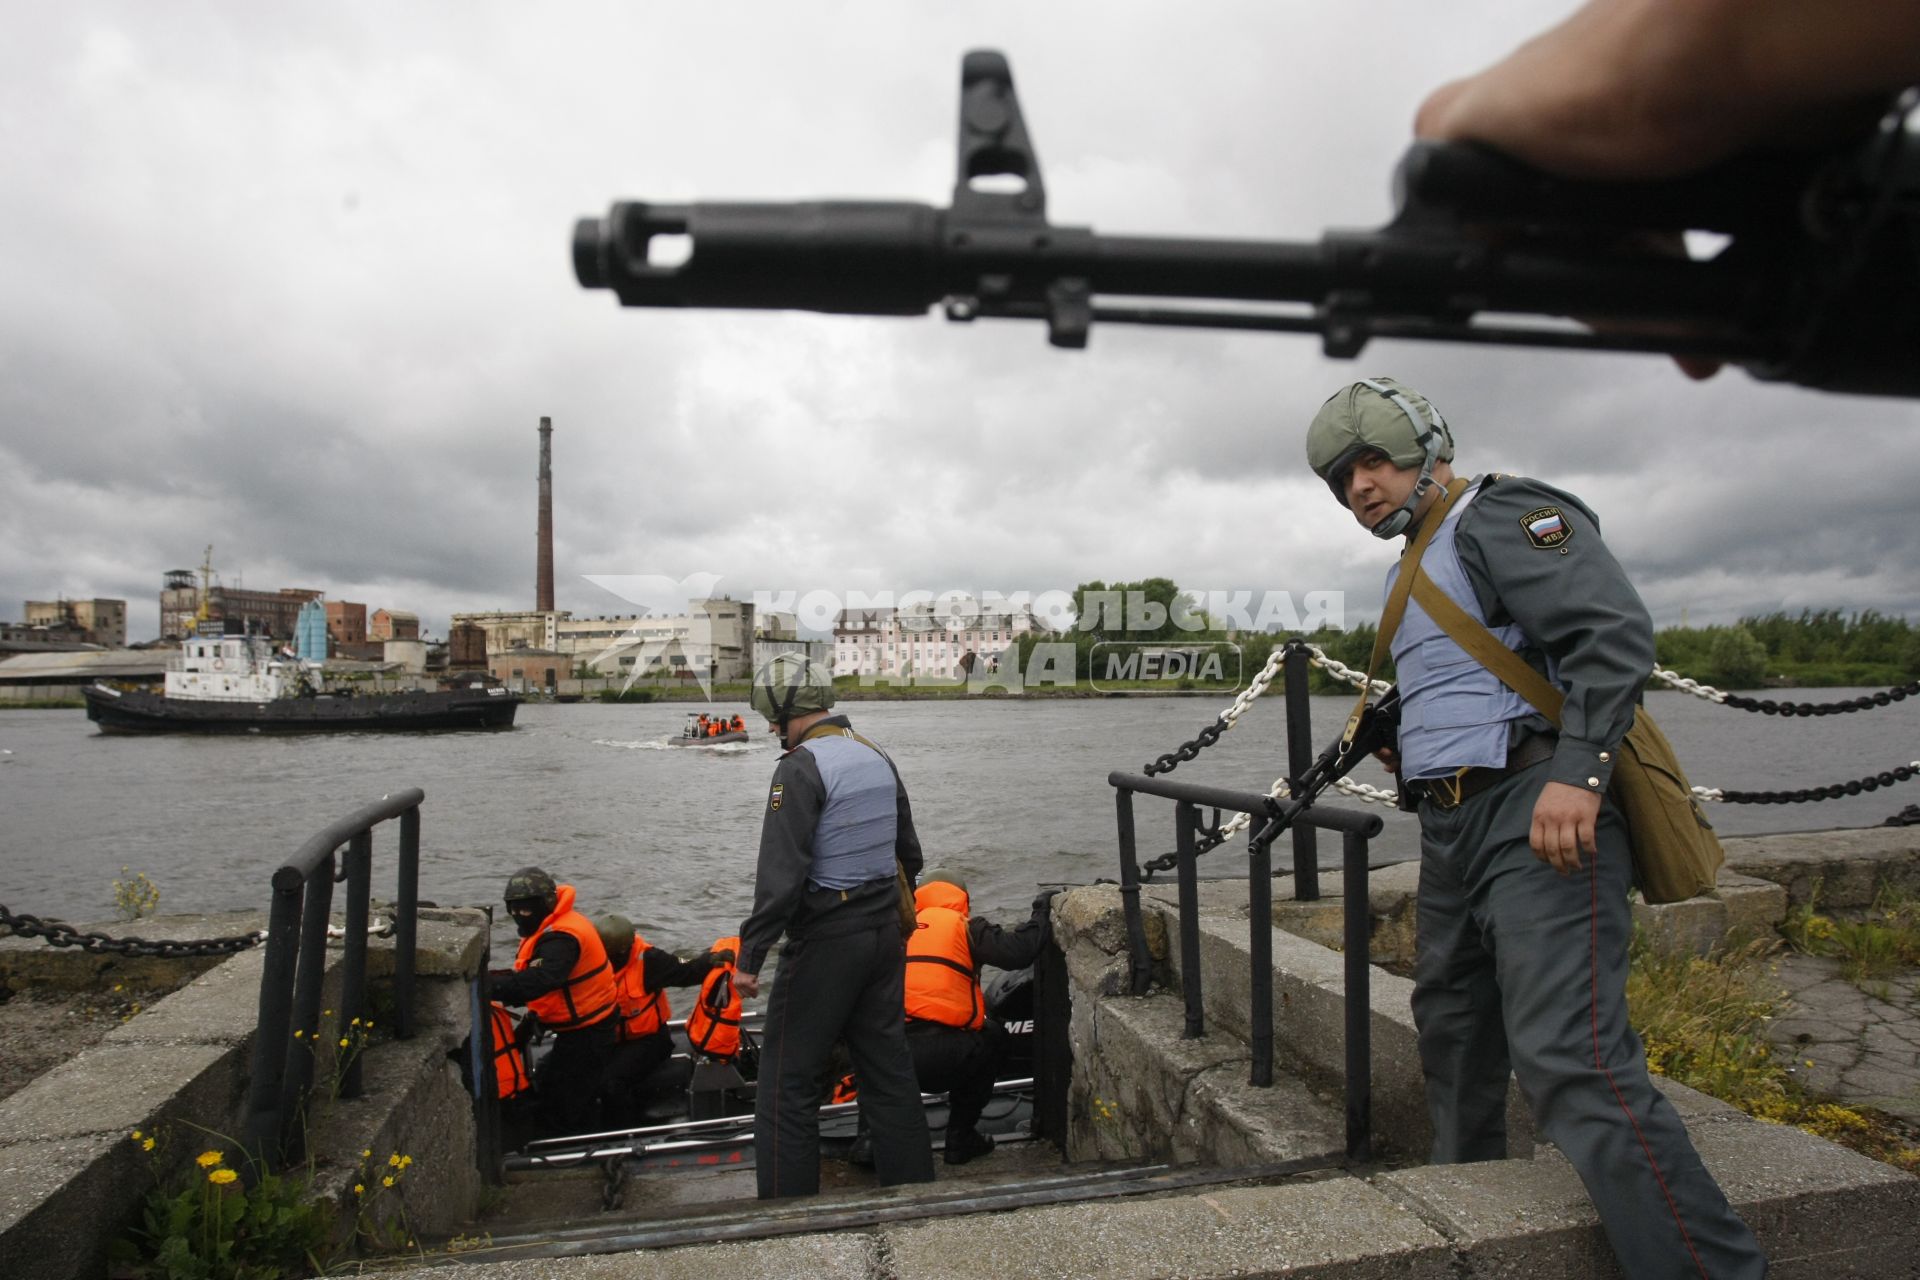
(543, 584)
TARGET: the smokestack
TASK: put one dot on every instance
(543, 584)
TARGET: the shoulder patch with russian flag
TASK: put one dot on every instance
(1546, 527)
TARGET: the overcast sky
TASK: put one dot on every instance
(294, 282)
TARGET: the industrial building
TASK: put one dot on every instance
(271, 613)
(98, 621)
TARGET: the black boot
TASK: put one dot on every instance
(964, 1144)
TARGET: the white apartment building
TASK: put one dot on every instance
(945, 640)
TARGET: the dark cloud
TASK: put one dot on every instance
(296, 285)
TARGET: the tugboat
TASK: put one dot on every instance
(238, 684)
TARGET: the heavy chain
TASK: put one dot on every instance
(1251, 694)
(1767, 706)
(1832, 791)
(60, 934)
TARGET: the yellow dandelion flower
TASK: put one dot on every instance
(298, 1034)
(405, 1161)
(387, 1181)
(343, 1042)
(207, 1159)
(117, 986)
(394, 1159)
(137, 1135)
(221, 1177)
(366, 1153)
(359, 1189)
(147, 1145)
(354, 1023)
(326, 1013)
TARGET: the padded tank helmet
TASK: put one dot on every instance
(616, 935)
(1378, 415)
(531, 884)
(791, 685)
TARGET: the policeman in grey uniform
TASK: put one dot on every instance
(837, 831)
(1521, 961)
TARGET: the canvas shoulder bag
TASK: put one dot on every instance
(1676, 854)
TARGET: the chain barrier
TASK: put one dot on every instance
(1767, 706)
(1212, 837)
(1832, 791)
(60, 934)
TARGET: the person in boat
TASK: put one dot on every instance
(642, 1043)
(957, 1049)
(837, 843)
(691, 728)
(738, 724)
(562, 977)
(1521, 964)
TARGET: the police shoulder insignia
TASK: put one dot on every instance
(1546, 527)
(773, 802)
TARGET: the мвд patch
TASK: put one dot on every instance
(773, 802)
(1546, 527)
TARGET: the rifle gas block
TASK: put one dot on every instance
(1817, 281)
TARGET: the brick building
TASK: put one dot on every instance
(101, 622)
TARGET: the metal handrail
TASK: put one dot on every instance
(294, 969)
(1355, 828)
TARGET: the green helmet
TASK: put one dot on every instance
(616, 935)
(1377, 415)
(531, 884)
(791, 685)
(940, 875)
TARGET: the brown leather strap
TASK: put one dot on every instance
(1396, 608)
(1485, 648)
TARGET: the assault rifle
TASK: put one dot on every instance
(1379, 727)
(1818, 282)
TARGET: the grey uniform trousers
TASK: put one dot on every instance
(849, 986)
(1521, 969)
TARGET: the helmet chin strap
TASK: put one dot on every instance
(1427, 433)
(1398, 521)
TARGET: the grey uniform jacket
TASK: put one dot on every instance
(1573, 601)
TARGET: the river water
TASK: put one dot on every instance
(1011, 793)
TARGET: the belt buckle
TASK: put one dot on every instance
(1445, 792)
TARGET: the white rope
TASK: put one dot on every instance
(1685, 685)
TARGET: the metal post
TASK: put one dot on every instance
(1053, 1059)
(1306, 846)
(353, 965)
(1358, 940)
(1186, 819)
(308, 982)
(406, 923)
(486, 1082)
(1139, 960)
(270, 1039)
(1260, 956)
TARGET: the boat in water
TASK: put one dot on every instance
(239, 684)
(695, 733)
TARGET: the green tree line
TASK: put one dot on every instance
(1816, 647)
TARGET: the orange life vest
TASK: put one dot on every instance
(588, 994)
(509, 1062)
(713, 1028)
(641, 1012)
(942, 985)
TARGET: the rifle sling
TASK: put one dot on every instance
(1396, 608)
